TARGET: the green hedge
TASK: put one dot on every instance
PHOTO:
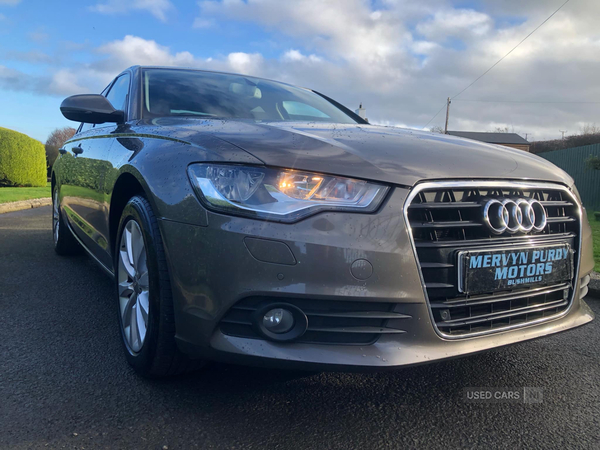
(22, 160)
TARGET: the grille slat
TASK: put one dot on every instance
(561, 219)
(358, 314)
(370, 330)
(556, 203)
(501, 315)
(439, 285)
(457, 224)
(480, 300)
(237, 322)
(446, 218)
(497, 240)
(436, 265)
(242, 308)
(446, 205)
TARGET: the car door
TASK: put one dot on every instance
(84, 196)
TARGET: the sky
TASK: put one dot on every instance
(400, 58)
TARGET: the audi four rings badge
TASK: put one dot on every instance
(518, 215)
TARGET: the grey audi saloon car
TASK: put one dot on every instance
(256, 222)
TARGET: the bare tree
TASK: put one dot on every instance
(437, 130)
(504, 130)
(55, 141)
(589, 134)
(590, 129)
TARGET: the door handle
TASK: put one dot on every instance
(77, 150)
(62, 150)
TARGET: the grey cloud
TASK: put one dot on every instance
(15, 80)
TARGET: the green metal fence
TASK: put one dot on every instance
(572, 161)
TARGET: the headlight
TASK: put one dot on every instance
(280, 194)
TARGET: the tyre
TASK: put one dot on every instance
(145, 302)
(64, 241)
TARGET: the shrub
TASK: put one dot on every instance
(593, 162)
(22, 160)
(576, 140)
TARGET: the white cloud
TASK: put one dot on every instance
(424, 47)
(135, 50)
(246, 63)
(65, 83)
(158, 8)
(462, 23)
(296, 55)
(342, 28)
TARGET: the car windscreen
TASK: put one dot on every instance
(169, 92)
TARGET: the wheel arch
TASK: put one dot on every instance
(126, 186)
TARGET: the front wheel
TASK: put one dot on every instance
(144, 296)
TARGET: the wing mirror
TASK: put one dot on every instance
(90, 108)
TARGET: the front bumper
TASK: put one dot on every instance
(420, 345)
(212, 269)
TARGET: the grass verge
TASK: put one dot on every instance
(15, 194)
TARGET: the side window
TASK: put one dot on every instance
(117, 95)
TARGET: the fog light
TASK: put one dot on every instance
(278, 320)
(281, 322)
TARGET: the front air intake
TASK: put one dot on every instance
(329, 321)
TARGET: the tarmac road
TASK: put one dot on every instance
(65, 384)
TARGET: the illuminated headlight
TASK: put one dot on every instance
(280, 194)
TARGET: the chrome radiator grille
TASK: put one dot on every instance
(446, 218)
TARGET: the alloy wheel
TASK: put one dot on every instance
(133, 285)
